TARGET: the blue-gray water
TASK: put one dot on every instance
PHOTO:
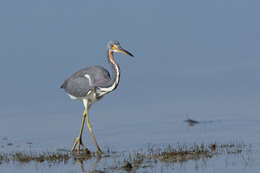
(192, 58)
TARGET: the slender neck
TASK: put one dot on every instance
(113, 83)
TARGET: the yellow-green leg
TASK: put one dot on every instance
(78, 140)
(92, 134)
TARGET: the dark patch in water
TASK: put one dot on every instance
(191, 122)
(128, 166)
(5, 138)
(213, 147)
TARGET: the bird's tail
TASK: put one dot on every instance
(63, 85)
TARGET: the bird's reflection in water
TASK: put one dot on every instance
(93, 169)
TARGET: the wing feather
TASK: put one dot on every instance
(81, 82)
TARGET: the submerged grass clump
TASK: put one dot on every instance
(130, 161)
(179, 154)
(40, 157)
(25, 157)
(50, 157)
(4, 158)
(182, 153)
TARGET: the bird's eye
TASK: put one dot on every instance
(114, 46)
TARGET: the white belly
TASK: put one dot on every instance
(91, 97)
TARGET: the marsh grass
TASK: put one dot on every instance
(24, 157)
(144, 158)
(176, 154)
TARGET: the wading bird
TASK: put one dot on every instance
(90, 84)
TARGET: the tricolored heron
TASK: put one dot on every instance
(90, 84)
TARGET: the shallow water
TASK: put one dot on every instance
(55, 132)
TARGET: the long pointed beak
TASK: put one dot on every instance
(125, 52)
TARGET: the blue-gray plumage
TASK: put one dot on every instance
(90, 84)
(86, 79)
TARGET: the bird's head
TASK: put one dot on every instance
(114, 46)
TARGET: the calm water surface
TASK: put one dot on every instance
(126, 132)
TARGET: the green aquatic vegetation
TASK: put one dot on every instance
(24, 157)
(180, 154)
(40, 157)
(4, 158)
(184, 153)
(129, 161)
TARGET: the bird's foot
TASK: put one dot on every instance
(99, 152)
(78, 141)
